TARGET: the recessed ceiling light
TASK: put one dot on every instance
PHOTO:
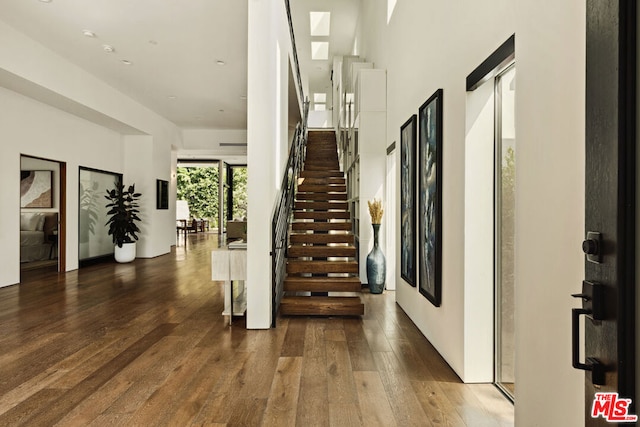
(89, 33)
(45, 1)
(108, 48)
(126, 62)
(221, 111)
(220, 62)
(171, 97)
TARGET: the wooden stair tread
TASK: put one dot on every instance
(321, 166)
(321, 238)
(322, 188)
(322, 284)
(325, 180)
(321, 215)
(296, 251)
(321, 226)
(321, 306)
(320, 205)
(321, 267)
(321, 197)
(321, 173)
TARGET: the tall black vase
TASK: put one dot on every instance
(376, 265)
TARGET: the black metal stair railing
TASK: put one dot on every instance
(284, 202)
(282, 214)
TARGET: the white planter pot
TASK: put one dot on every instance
(126, 253)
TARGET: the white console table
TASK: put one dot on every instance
(229, 264)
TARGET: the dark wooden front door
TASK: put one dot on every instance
(607, 297)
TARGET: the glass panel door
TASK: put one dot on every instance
(505, 146)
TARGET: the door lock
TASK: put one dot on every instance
(592, 247)
(592, 297)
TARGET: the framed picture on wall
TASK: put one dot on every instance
(430, 198)
(408, 200)
(162, 194)
(36, 189)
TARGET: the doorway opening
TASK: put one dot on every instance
(504, 230)
(42, 214)
(212, 196)
(489, 221)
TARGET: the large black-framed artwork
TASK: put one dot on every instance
(162, 194)
(408, 200)
(430, 198)
(36, 189)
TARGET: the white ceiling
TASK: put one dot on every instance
(344, 18)
(174, 46)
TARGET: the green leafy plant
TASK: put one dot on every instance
(123, 211)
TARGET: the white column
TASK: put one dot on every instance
(268, 48)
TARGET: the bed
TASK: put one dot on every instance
(38, 231)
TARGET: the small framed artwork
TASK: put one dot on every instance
(408, 200)
(430, 198)
(162, 194)
(36, 189)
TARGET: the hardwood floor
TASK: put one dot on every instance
(144, 344)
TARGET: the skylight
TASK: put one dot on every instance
(320, 107)
(320, 98)
(320, 23)
(319, 50)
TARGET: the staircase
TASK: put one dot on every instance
(321, 257)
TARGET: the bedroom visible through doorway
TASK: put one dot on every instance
(42, 211)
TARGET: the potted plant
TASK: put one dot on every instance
(123, 212)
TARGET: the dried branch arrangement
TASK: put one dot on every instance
(376, 211)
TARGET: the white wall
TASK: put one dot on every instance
(207, 141)
(81, 121)
(429, 45)
(479, 235)
(267, 113)
(550, 108)
(320, 119)
(550, 62)
(58, 136)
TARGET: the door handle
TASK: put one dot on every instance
(593, 309)
(591, 364)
